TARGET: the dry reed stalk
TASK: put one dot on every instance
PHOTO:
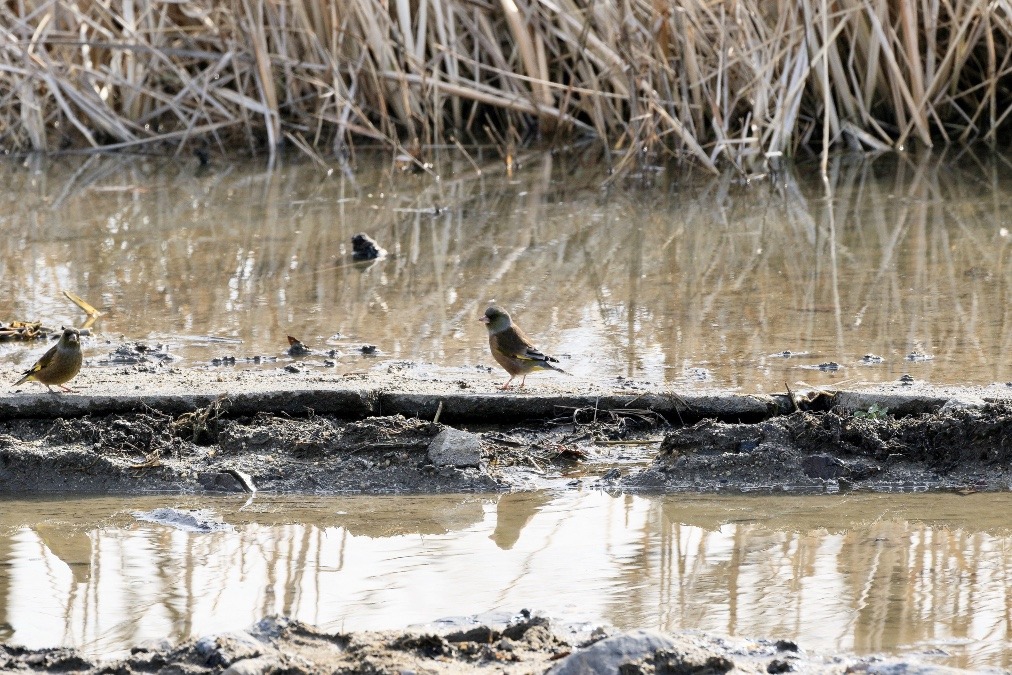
(735, 79)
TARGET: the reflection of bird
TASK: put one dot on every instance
(514, 512)
(512, 349)
(60, 364)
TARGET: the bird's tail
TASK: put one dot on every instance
(24, 379)
(551, 366)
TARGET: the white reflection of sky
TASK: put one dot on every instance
(885, 585)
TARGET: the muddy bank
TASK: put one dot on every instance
(205, 451)
(214, 450)
(406, 428)
(527, 644)
(966, 448)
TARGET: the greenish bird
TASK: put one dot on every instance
(512, 349)
(58, 365)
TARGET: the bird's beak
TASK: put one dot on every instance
(484, 319)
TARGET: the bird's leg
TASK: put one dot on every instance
(507, 385)
(50, 389)
(522, 380)
(67, 388)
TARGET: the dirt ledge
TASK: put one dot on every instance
(199, 430)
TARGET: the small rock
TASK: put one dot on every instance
(196, 520)
(963, 402)
(605, 657)
(220, 481)
(228, 648)
(824, 467)
(364, 247)
(255, 666)
(152, 645)
(296, 347)
(453, 447)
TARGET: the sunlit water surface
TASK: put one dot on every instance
(897, 574)
(688, 279)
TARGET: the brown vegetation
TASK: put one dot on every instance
(730, 79)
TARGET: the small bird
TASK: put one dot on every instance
(512, 349)
(58, 365)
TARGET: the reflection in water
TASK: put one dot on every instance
(694, 279)
(895, 574)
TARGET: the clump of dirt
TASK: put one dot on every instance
(953, 448)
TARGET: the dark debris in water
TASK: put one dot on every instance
(137, 352)
(364, 247)
(296, 347)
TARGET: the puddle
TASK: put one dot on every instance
(691, 281)
(895, 574)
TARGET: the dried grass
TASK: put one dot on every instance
(724, 80)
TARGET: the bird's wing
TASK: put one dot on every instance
(46, 359)
(513, 342)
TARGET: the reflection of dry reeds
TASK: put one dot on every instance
(732, 79)
(904, 253)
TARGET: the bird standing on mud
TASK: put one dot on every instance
(512, 349)
(58, 365)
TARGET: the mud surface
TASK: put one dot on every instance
(966, 448)
(216, 449)
(208, 450)
(525, 645)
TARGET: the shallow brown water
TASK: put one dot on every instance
(901, 574)
(690, 279)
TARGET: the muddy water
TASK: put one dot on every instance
(684, 280)
(923, 574)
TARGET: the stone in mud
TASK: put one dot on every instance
(453, 447)
(220, 481)
(608, 655)
(825, 467)
(957, 402)
(261, 665)
(227, 648)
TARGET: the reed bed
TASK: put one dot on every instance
(715, 80)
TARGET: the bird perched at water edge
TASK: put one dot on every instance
(512, 349)
(58, 365)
